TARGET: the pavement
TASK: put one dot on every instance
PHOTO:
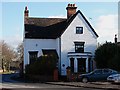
(95, 85)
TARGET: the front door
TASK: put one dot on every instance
(81, 65)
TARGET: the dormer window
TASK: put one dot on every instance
(79, 30)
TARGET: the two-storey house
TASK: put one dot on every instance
(72, 39)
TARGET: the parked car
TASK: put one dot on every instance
(96, 75)
(114, 78)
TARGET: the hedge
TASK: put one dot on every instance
(44, 65)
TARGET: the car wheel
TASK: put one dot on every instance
(84, 80)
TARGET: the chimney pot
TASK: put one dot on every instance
(73, 5)
(25, 8)
(68, 5)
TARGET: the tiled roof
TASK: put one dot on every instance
(44, 28)
(43, 22)
(49, 28)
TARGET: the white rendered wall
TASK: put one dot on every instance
(38, 45)
(69, 37)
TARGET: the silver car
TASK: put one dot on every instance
(114, 78)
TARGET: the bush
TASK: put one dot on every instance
(108, 56)
(44, 65)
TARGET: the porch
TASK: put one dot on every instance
(80, 62)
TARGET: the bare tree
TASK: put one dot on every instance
(20, 52)
(7, 55)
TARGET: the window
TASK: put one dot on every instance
(79, 30)
(79, 47)
(106, 71)
(98, 72)
(32, 56)
(50, 52)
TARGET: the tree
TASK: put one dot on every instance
(107, 56)
(7, 54)
(20, 51)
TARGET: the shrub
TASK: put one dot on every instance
(108, 56)
(44, 65)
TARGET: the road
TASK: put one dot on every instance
(40, 86)
(9, 84)
(7, 78)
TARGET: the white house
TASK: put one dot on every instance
(73, 40)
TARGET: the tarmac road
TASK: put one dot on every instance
(7, 78)
(9, 84)
(40, 86)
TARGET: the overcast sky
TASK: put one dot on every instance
(104, 17)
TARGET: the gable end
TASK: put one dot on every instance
(72, 18)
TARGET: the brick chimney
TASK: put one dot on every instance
(26, 12)
(71, 10)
